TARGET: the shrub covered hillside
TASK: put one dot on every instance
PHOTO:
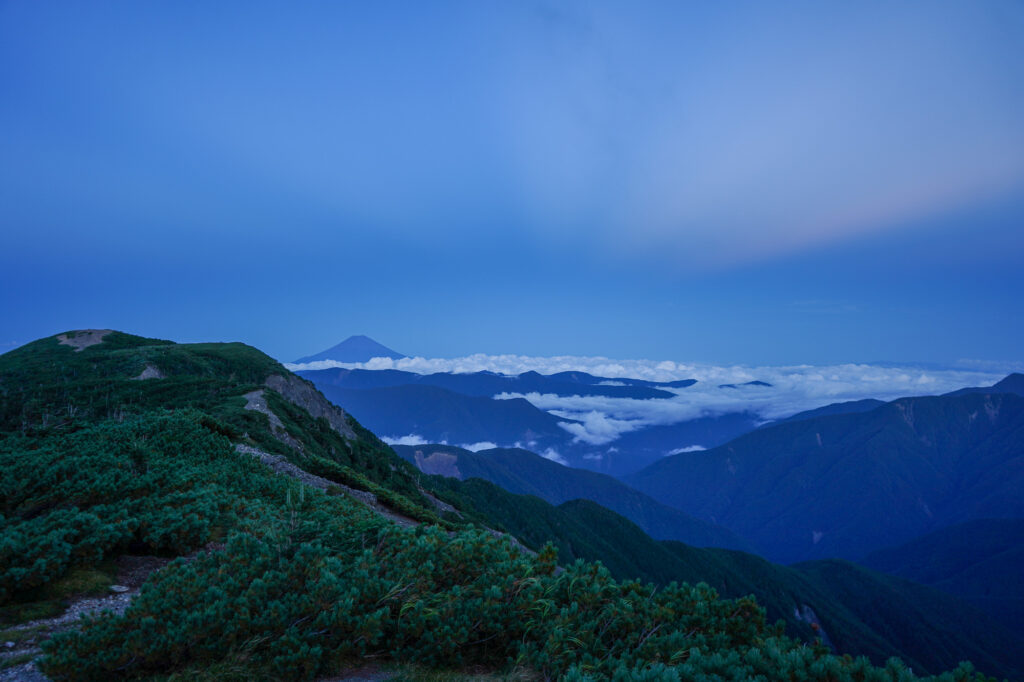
(291, 582)
(52, 386)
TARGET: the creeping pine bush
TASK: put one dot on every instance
(299, 603)
(306, 582)
(160, 483)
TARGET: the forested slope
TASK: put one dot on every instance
(526, 473)
(849, 484)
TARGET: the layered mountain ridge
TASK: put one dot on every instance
(464, 408)
(522, 472)
(845, 485)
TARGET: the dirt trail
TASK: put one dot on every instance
(23, 640)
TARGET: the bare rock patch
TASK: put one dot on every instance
(151, 371)
(83, 338)
(438, 464)
(303, 394)
(255, 400)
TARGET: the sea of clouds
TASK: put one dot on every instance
(599, 420)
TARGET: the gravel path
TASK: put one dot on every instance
(42, 629)
(132, 571)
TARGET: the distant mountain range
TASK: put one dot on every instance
(852, 608)
(910, 482)
(848, 407)
(490, 384)
(845, 485)
(848, 495)
(525, 473)
(437, 414)
(353, 349)
(1013, 383)
(460, 408)
(636, 449)
(843, 480)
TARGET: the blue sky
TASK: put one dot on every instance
(728, 182)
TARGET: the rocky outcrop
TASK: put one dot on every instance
(255, 400)
(438, 464)
(303, 394)
(807, 615)
(151, 371)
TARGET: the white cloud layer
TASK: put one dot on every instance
(602, 419)
(834, 379)
(554, 456)
(597, 428)
(477, 447)
(411, 439)
(688, 448)
(666, 370)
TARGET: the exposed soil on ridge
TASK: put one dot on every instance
(83, 338)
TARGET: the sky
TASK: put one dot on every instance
(732, 183)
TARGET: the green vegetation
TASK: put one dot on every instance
(968, 560)
(49, 387)
(859, 610)
(163, 483)
(307, 583)
(580, 529)
(276, 580)
(526, 473)
(51, 598)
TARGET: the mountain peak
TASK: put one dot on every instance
(358, 348)
(1011, 383)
